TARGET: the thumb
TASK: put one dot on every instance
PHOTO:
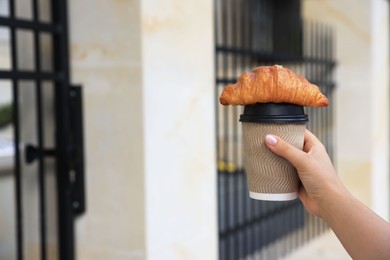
(295, 156)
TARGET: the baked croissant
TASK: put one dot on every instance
(274, 84)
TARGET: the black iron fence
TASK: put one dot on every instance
(250, 33)
(38, 72)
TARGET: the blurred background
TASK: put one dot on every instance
(113, 144)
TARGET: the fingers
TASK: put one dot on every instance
(310, 140)
(286, 150)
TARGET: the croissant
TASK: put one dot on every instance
(272, 84)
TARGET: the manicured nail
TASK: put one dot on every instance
(271, 140)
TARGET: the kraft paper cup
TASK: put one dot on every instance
(269, 176)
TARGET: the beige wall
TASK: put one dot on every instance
(106, 60)
(362, 100)
(179, 105)
(147, 75)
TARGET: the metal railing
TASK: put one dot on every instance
(67, 147)
(249, 34)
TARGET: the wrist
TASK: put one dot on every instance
(335, 197)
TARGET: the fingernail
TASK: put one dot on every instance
(271, 140)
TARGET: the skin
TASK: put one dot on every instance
(364, 234)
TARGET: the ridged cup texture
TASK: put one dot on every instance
(266, 171)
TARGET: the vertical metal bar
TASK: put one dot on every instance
(285, 229)
(290, 222)
(243, 34)
(250, 46)
(300, 213)
(327, 88)
(293, 219)
(319, 55)
(16, 130)
(234, 124)
(18, 172)
(217, 26)
(40, 134)
(330, 94)
(324, 70)
(220, 212)
(316, 114)
(331, 53)
(255, 236)
(225, 133)
(308, 75)
(61, 55)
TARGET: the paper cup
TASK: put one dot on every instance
(269, 176)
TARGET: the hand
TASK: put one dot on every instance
(363, 234)
(314, 167)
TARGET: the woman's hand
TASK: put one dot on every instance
(363, 233)
(314, 167)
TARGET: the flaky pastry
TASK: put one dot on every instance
(275, 84)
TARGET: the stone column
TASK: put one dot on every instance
(147, 72)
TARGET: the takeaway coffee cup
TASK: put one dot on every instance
(269, 176)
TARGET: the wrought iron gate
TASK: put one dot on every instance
(39, 77)
(249, 33)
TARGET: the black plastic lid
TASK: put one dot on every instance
(274, 113)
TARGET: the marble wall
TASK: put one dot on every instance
(105, 43)
(147, 74)
(179, 107)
